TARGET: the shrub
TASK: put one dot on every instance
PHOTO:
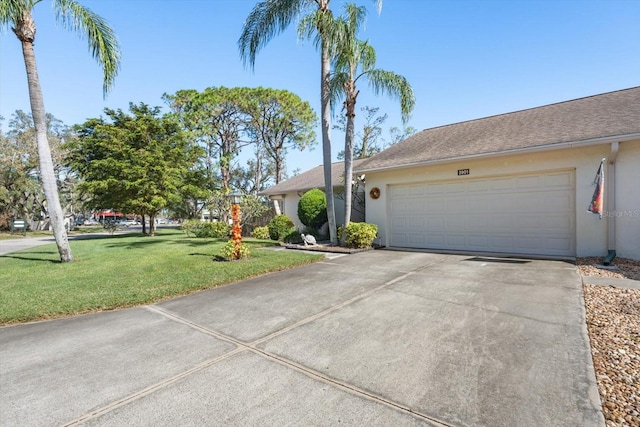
(217, 230)
(312, 208)
(228, 251)
(261, 233)
(293, 237)
(361, 234)
(280, 227)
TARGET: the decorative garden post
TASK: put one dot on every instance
(236, 230)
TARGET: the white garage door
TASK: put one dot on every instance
(522, 214)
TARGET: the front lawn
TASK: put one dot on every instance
(118, 271)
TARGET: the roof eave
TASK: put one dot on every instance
(539, 148)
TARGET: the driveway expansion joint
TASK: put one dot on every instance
(151, 389)
(496, 311)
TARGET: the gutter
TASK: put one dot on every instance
(611, 204)
(540, 148)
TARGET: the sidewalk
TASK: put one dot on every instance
(15, 245)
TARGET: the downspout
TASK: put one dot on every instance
(611, 204)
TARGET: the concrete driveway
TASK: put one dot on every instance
(380, 338)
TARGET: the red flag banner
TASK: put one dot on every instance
(597, 204)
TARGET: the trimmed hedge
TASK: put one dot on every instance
(217, 230)
(361, 234)
(312, 208)
(261, 233)
(280, 227)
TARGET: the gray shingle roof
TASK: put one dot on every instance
(313, 178)
(607, 115)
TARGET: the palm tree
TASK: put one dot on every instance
(355, 59)
(103, 47)
(271, 17)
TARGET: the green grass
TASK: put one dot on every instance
(122, 271)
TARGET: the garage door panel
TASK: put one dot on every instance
(456, 205)
(454, 240)
(529, 214)
(502, 243)
(560, 243)
(435, 222)
(479, 242)
(434, 189)
(558, 202)
(478, 205)
(398, 191)
(477, 222)
(564, 180)
(528, 221)
(478, 186)
(435, 240)
(416, 222)
(400, 239)
(530, 244)
(502, 184)
(398, 223)
(455, 224)
(455, 187)
(501, 221)
(436, 206)
(415, 190)
(416, 239)
(556, 222)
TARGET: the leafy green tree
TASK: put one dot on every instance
(269, 18)
(216, 119)
(355, 59)
(255, 176)
(192, 191)
(21, 194)
(104, 48)
(134, 162)
(280, 120)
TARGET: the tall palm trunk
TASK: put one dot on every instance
(25, 30)
(350, 104)
(325, 91)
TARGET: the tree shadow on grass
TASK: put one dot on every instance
(137, 244)
(25, 257)
(197, 242)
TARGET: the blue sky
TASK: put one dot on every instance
(465, 59)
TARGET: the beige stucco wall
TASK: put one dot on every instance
(291, 210)
(591, 232)
(627, 209)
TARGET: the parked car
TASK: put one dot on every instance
(129, 222)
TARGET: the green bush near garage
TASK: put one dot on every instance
(312, 208)
(280, 227)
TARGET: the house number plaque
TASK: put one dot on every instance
(463, 172)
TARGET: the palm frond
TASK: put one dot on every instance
(395, 86)
(12, 10)
(267, 19)
(317, 26)
(337, 82)
(102, 41)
